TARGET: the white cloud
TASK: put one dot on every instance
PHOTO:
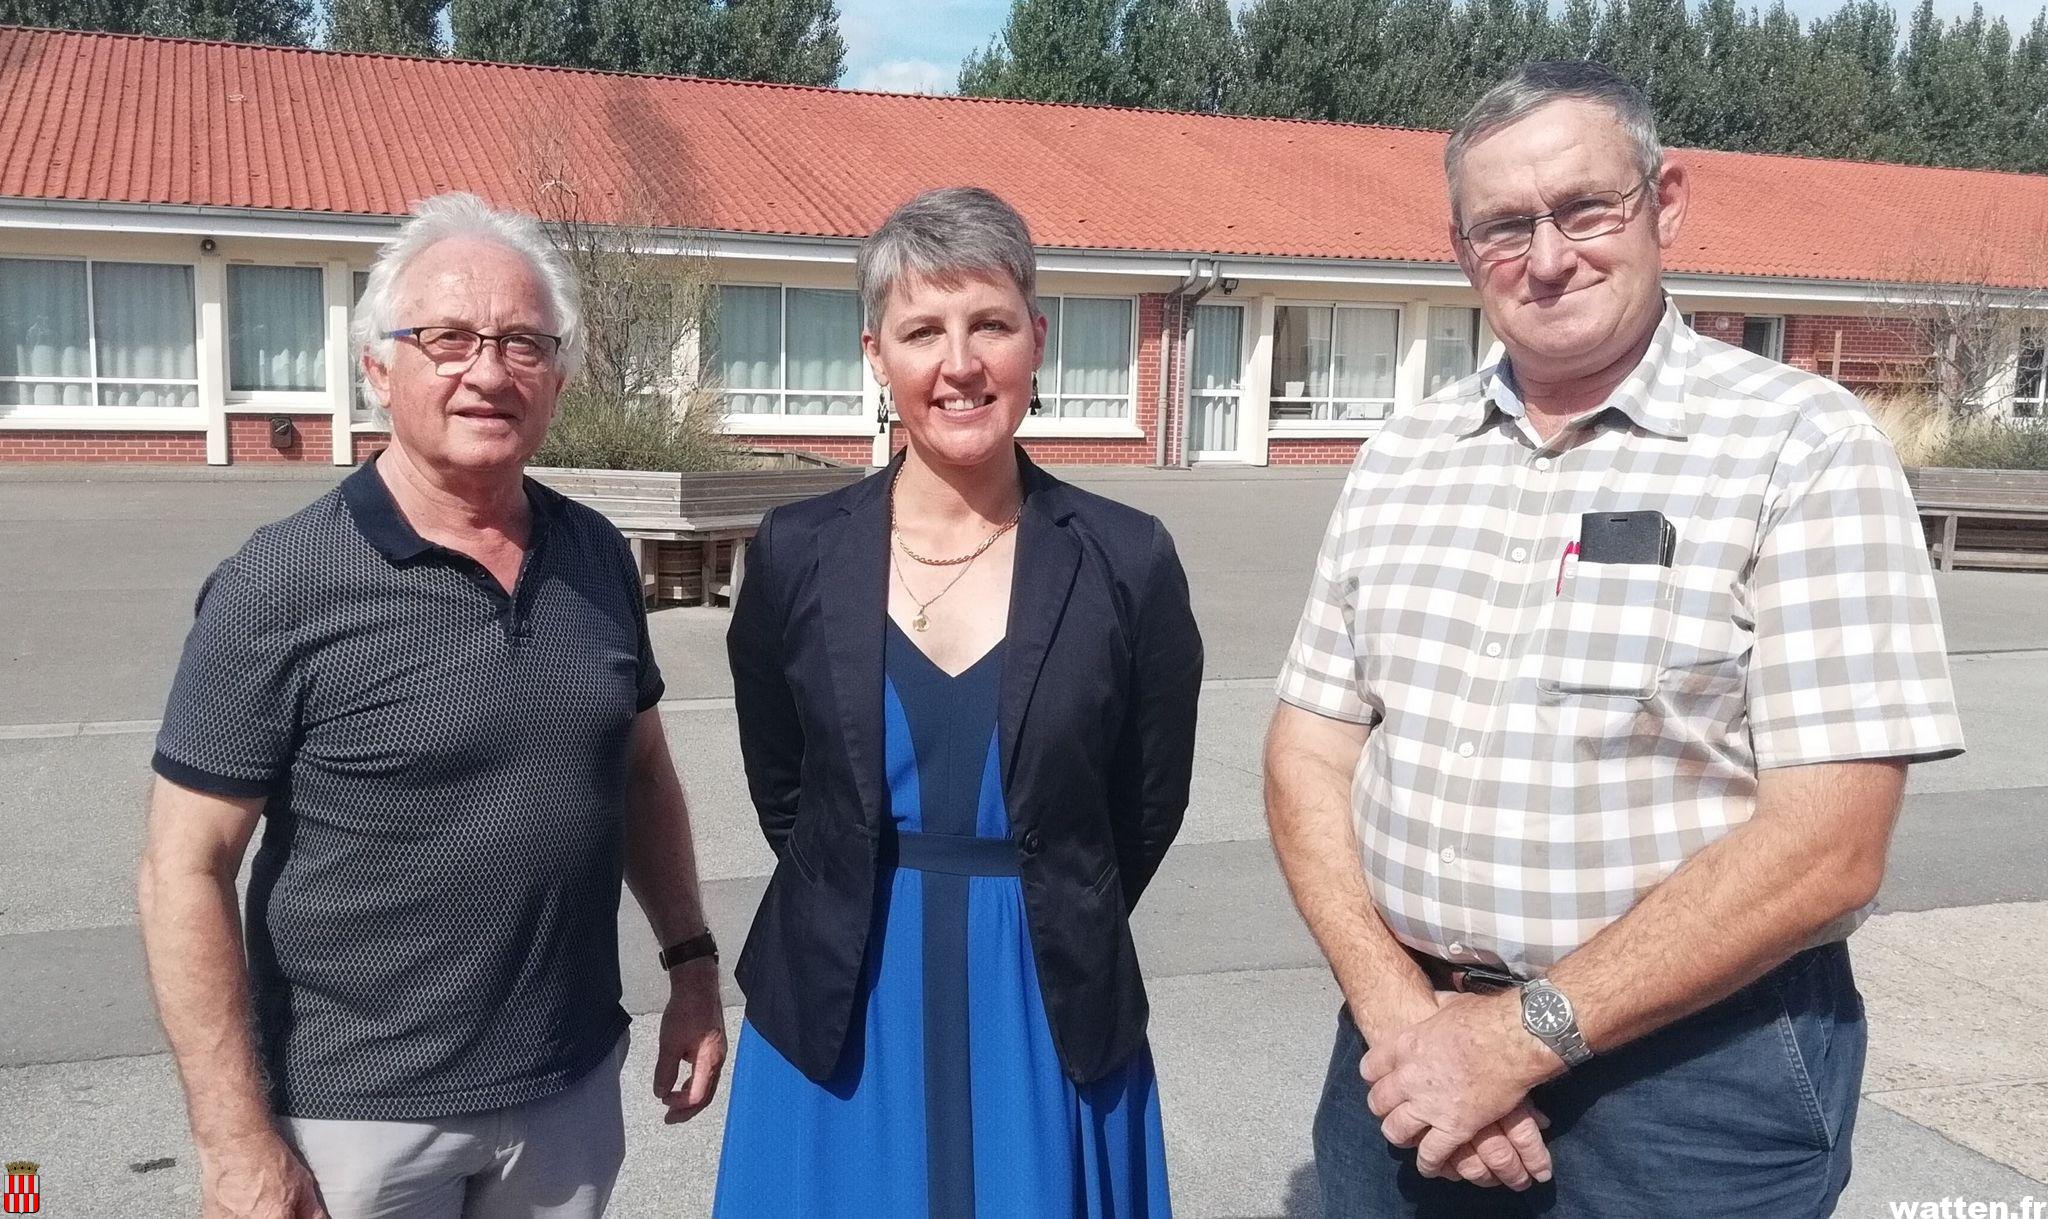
(908, 76)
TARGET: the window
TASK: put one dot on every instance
(277, 329)
(360, 411)
(2030, 395)
(1765, 336)
(1453, 346)
(787, 351)
(1088, 355)
(1215, 380)
(87, 334)
(1333, 364)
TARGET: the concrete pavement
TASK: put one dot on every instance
(100, 570)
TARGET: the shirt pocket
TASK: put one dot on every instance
(1609, 631)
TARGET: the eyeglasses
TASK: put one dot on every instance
(1581, 219)
(452, 349)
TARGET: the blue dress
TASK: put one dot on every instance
(952, 1104)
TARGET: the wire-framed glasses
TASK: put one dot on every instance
(1580, 219)
(451, 349)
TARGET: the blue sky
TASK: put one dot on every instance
(916, 45)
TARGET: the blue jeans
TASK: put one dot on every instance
(1741, 1110)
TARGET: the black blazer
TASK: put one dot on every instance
(1096, 721)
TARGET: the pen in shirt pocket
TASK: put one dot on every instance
(1571, 552)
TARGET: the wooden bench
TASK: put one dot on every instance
(1983, 518)
(689, 532)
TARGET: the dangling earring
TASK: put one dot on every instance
(1036, 405)
(882, 406)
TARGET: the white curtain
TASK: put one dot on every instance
(1362, 362)
(747, 348)
(1095, 359)
(143, 321)
(824, 352)
(1301, 355)
(1453, 340)
(1215, 376)
(43, 332)
(277, 332)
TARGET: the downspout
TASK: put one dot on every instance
(1188, 301)
(1165, 358)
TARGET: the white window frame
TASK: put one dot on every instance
(1053, 426)
(1777, 344)
(94, 414)
(362, 417)
(1429, 338)
(277, 401)
(1310, 428)
(860, 423)
(2031, 402)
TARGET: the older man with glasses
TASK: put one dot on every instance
(1594, 730)
(433, 689)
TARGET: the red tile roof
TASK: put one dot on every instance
(113, 118)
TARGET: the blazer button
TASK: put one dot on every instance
(1030, 843)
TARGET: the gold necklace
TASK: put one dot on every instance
(969, 557)
(920, 622)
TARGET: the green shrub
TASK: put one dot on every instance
(1993, 444)
(594, 433)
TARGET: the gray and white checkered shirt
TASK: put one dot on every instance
(1551, 738)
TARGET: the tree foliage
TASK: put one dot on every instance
(279, 22)
(1863, 82)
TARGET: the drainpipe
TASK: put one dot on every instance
(1166, 328)
(1188, 301)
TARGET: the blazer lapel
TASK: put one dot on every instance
(1047, 558)
(853, 591)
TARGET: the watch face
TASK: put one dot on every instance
(1546, 1012)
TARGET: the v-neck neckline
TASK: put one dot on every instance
(934, 665)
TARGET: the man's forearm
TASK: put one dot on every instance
(661, 856)
(1308, 806)
(1741, 906)
(201, 982)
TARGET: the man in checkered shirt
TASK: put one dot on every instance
(1594, 731)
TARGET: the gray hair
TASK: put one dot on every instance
(458, 214)
(943, 235)
(1535, 85)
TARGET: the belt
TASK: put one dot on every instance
(955, 854)
(1475, 979)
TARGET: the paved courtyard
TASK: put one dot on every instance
(97, 575)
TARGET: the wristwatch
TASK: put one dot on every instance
(1548, 1016)
(689, 950)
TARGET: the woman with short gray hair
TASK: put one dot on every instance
(966, 696)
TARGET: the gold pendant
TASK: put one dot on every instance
(920, 622)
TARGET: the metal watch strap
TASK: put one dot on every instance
(1569, 1044)
(689, 950)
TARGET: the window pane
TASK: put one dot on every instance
(824, 404)
(1095, 355)
(1049, 372)
(1364, 353)
(1301, 353)
(824, 341)
(276, 337)
(2033, 359)
(44, 393)
(752, 404)
(1760, 335)
(42, 319)
(143, 321)
(747, 343)
(151, 397)
(359, 283)
(1217, 361)
(1453, 346)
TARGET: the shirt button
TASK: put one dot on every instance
(1466, 750)
(1448, 854)
(1518, 553)
(1493, 649)
(1031, 842)
(1455, 948)
(1543, 463)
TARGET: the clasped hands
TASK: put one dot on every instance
(1455, 1086)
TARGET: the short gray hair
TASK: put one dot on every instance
(942, 236)
(458, 214)
(1536, 85)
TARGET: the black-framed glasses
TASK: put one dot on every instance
(451, 349)
(1580, 219)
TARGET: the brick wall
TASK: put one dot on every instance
(366, 443)
(1726, 327)
(1877, 353)
(249, 440)
(853, 450)
(56, 444)
(1324, 452)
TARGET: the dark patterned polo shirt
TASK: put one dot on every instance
(432, 910)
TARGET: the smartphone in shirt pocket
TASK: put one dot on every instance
(1612, 620)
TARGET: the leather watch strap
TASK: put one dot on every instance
(689, 950)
